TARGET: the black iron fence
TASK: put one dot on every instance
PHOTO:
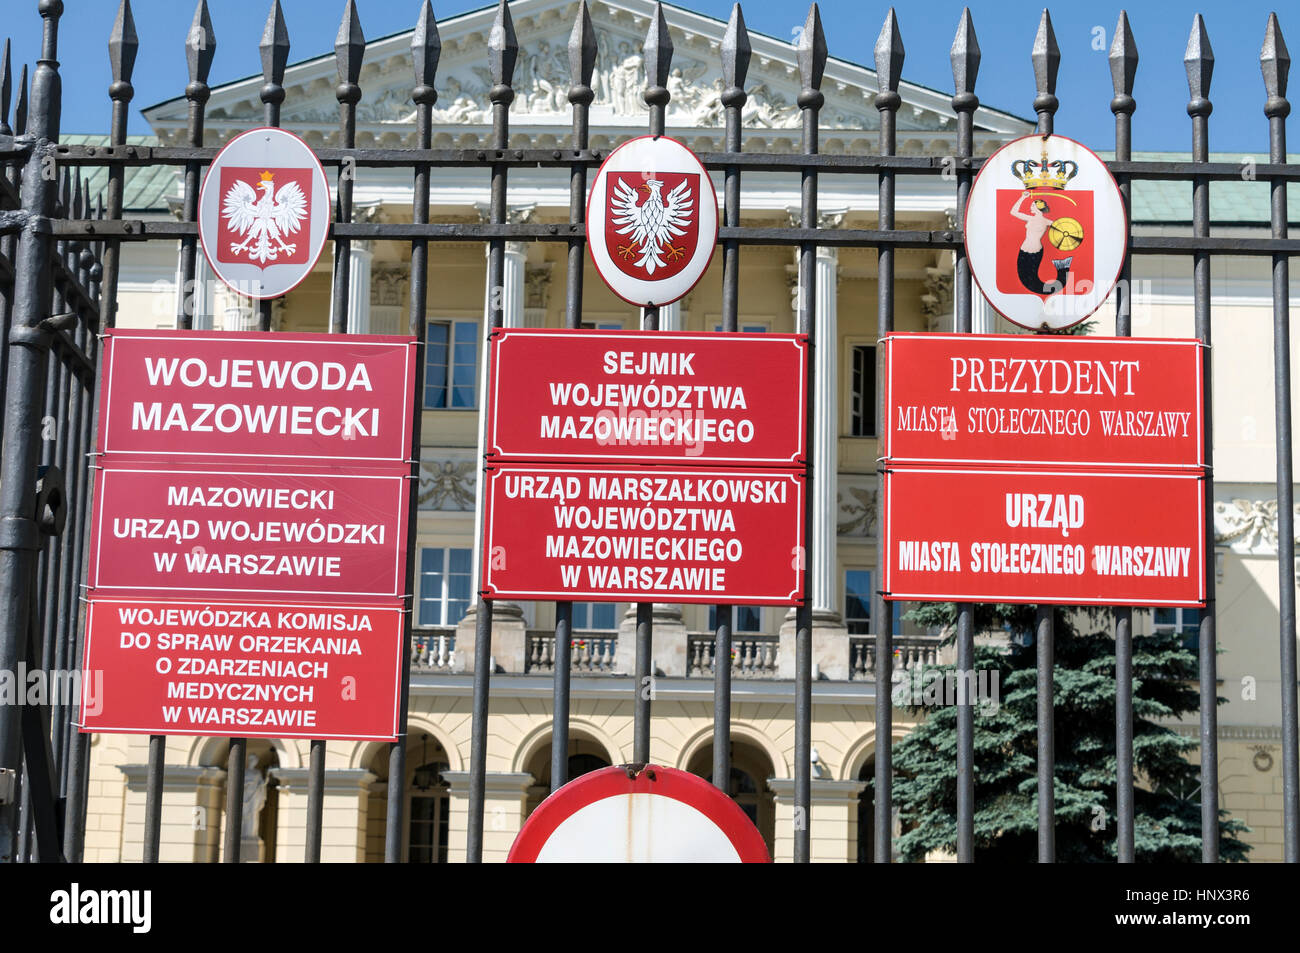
(59, 269)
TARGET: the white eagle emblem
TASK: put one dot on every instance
(264, 222)
(652, 225)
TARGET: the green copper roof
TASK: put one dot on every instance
(144, 189)
(1245, 201)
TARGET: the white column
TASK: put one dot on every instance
(512, 291)
(360, 256)
(826, 463)
(670, 316)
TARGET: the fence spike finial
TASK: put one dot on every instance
(274, 46)
(426, 48)
(201, 44)
(503, 46)
(965, 56)
(582, 49)
(1046, 57)
(658, 50)
(1199, 60)
(889, 54)
(811, 50)
(122, 44)
(20, 106)
(1123, 58)
(736, 50)
(1274, 62)
(350, 47)
(6, 91)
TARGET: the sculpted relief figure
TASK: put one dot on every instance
(254, 798)
(630, 74)
(769, 109)
(460, 108)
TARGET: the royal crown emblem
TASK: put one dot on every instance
(1044, 173)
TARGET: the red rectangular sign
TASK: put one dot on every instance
(1068, 538)
(243, 669)
(964, 399)
(335, 536)
(309, 398)
(667, 535)
(654, 397)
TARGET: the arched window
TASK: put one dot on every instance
(747, 786)
(584, 756)
(867, 815)
(427, 841)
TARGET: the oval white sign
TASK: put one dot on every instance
(652, 221)
(264, 212)
(1045, 232)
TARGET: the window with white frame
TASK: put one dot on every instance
(610, 324)
(857, 603)
(747, 328)
(743, 619)
(451, 365)
(1183, 622)
(595, 615)
(444, 585)
(862, 405)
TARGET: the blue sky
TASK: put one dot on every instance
(1005, 28)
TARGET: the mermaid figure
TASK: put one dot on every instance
(1031, 249)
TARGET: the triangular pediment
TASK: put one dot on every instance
(541, 112)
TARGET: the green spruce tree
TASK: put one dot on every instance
(1167, 799)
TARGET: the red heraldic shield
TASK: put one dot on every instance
(652, 222)
(265, 216)
(1062, 258)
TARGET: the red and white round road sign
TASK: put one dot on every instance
(652, 220)
(1045, 232)
(264, 212)
(656, 815)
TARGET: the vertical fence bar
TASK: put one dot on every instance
(658, 51)
(1123, 69)
(582, 51)
(426, 48)
(7, 242)
(889, 54)
(122, 47)
(349, 48)
(503, 49)
(235, 760)
(275, 54)
(71, 462)
(736, 53)
(1046, 57)
(200, 48)
(1199, 60)
(811, 54)
(78, 518)
(965, 103)
(1275, 62)
(29, 339)
(8, 246)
